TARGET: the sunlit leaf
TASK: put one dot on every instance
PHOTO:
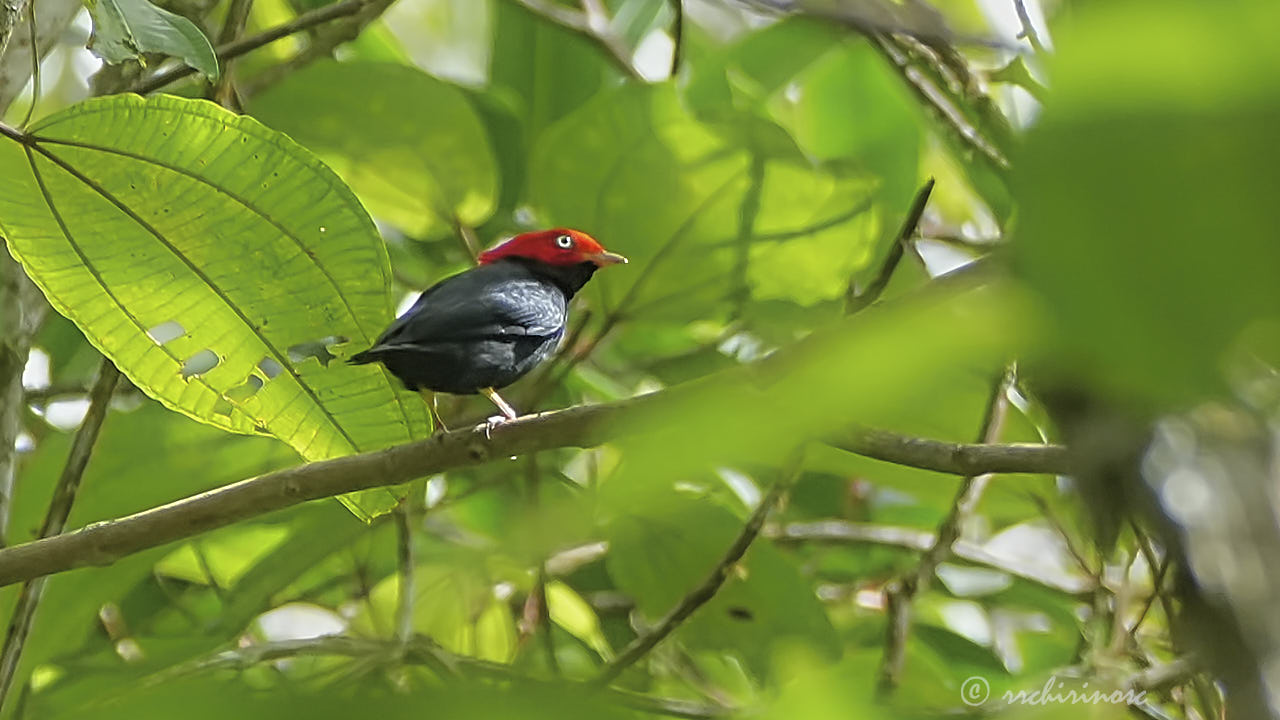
(214, 261)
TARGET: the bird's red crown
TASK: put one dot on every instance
(557, 246)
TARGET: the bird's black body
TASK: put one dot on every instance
(482, 328)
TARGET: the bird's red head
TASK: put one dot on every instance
(557, 246)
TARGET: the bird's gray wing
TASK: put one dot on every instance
(482, 303)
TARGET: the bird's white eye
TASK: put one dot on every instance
(564, 241)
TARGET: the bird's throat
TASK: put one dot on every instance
(569, 278)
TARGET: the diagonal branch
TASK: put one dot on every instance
(899, 595)
(702, 594)
(582, 426)
(852, 533)
(243, 46)
(856, 299)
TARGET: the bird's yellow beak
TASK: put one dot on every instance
(606, 258)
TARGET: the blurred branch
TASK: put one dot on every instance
(913, 19)
(1028, 29)
(322, 44)
(965, 459)
(420, 651)
(677, 35)
(1068, 540)
(579, 426)
(852, 533)
(702, 594)
(593, 23)
(64, 495)
(740, 291)
(69, 390)
(243, 46)
(817, 227)
(405, 553)
(22, 309)
(855, 299)
(934, 95)
(901, 593)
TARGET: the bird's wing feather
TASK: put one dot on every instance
(486, 302)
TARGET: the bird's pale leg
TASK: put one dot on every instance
(508, 412)
(430, 399)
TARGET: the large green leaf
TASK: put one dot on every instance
(411, 145)
(124, 29)
(213, 260)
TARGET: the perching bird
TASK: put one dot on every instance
(484, 328)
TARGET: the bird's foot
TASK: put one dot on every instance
(492, 422)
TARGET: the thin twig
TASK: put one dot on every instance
(405, 556)
(467, 239)
(35, 64)
(1158, 568)
(421, 651)
(677, 35)
(855, 299)
(740, 291)
(1068, 540)
(845, 532)
(321, 46)
(946, 107)
(55, 520)
(580, 426)
(1028, 28)
(235, 49)
(900, 594)
(543, 621)
(702, 594)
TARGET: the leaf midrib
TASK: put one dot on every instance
(279, 357)
(93, 272)
(364, 335)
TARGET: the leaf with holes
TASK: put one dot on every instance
(216, 263)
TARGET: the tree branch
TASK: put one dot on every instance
(421, 651)
(1028, 28)
(936, 96)
(583, 426)
(900, 594)
(243, 46)
(852, 533)
(702, 594)
(855, 299)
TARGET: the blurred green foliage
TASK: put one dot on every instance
(754, 191)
